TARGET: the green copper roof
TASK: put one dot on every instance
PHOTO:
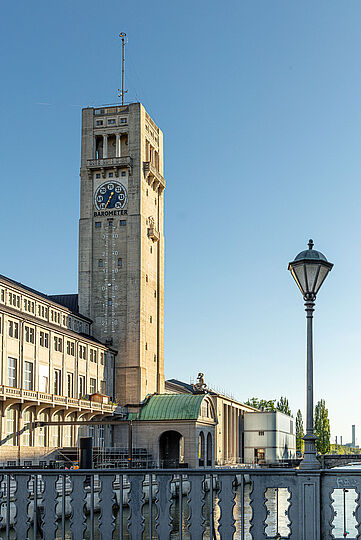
(172, 407)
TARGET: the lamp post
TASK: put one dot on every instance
(310, 269)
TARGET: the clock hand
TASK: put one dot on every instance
(111, 195)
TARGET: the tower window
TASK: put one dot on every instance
(155, 294)
(98, 224)
(123, 120)
(146, 278)
(110, 301)
(155, 202)
(146, 192)
(97, 175)
(155, 358)
(150, 319)
(123, 222)
(110, 223)
(123, 173)
(100, 263)
(146, 346)
(120, 262)
(99, 122)
(151, 249)
(111, 175)
(111, 121)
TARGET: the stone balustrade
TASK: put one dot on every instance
(242, 504)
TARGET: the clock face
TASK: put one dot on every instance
(110, 195)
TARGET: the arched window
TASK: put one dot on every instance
(43, 431)
(27, 432)
(201, 449)
(11, 437)
(209, 450)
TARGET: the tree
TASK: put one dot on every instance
(300, 443)
(283, 406)
(262, 404)
(269, 405)
(322, 428)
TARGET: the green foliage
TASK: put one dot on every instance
(340, 449)
(283, 406)
(322, 428)
(300, 443)
(262, 404)
(270, 405)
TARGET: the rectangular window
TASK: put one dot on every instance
(82, 390)
(98, 224)
(93, 386)
(29, 334)
(110, 223)
(58, 344)
(28, 375)
(120, 262)
(111, 175)
(13, 329)
(70, 348)
(57, 382)
(12, 372)
(100, 263)
(44, 339)
(261, 433)
(2, 295)
(111, 121)
(99, 122)
(123, 173)
(123, 120)
(103, 387)
(97, 175)
(102, 358)
(82, 352)
(123, 222)
(70, 382)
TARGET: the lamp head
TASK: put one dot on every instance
(310, 269)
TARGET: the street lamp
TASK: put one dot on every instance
(310, 269)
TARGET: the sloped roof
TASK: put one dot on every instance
(172, 407)
(67, 300)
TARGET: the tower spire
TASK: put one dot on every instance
(121, 90)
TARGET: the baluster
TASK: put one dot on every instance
(226, 503)
(358, 511)
(2, 478)
(136, 501)
(258, 506)
(49, 496)
(107, 500)
(196, 503)
(21, 501)
(163, 503)
(78, 504)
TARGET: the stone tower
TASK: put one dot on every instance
(121, 243)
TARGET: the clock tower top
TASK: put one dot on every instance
(121, 242)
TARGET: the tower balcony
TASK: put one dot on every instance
(153, 177)
(114, 163)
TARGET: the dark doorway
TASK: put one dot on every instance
(170, 449)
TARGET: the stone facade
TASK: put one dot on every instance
(49, 366)
(121, 243)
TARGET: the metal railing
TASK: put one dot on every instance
(214, 504)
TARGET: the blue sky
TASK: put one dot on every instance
(260, 105)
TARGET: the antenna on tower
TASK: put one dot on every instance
(121, 90)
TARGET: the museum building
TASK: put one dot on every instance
(98, 356)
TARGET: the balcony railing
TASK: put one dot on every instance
(125, 161)
(227, 504)
(32, 395)
(153, 176)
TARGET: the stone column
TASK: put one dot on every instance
(117, 145)
(105, 146)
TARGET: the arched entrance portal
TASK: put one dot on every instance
(170, 449)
